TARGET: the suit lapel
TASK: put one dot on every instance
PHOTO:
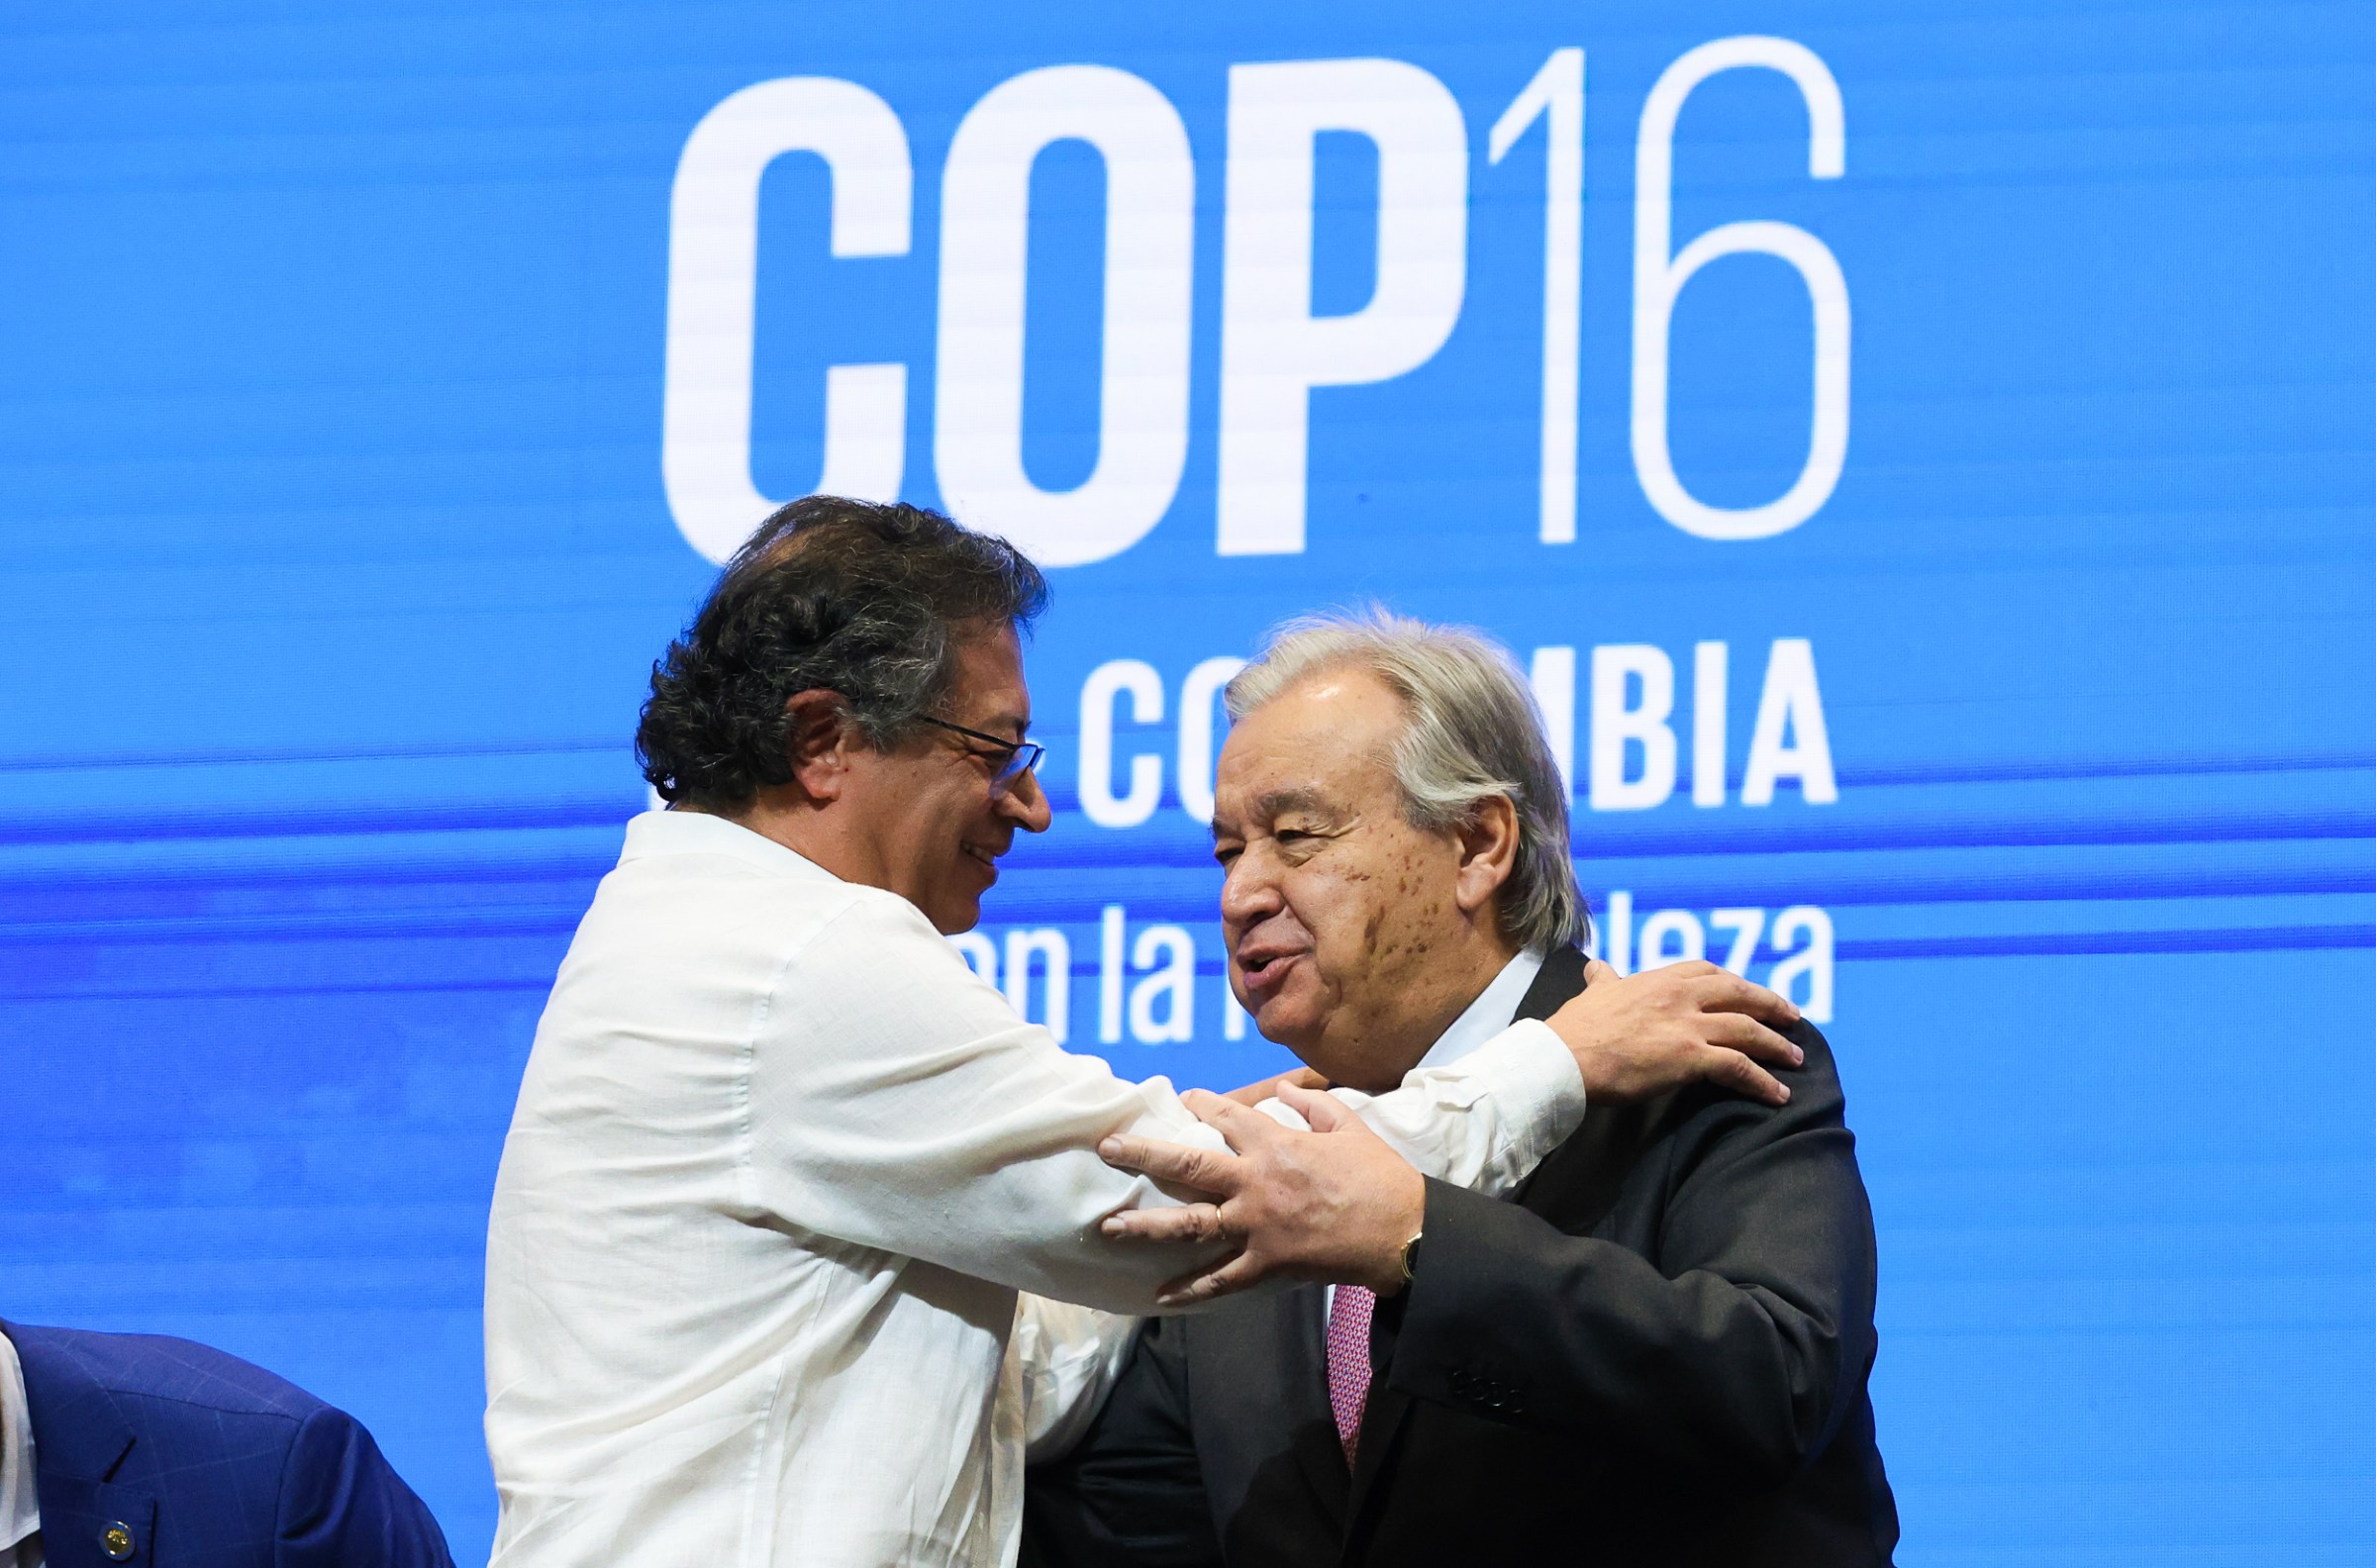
(1381, 1423)
(1578, 1184)
(78, 1428)
(1303, 1369)
(1575, 1185)
(1266, 1376)
(1558, 982)
(1560, 978)
(80, 1438)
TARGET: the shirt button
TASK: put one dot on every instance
(116, 1540)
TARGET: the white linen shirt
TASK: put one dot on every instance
(779, 1168)
(20, 1503)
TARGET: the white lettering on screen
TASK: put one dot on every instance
(1556, 98)
(1800, 954)
(1150, 250)
(1138, 681)
(1791, 739)
(1632, 693)
(1633, 751)
(1659, 280)
(1551, 675)
(713, 285)
(1273, 350)
(1198, 696)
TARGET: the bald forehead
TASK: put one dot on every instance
(1312, 747)
(1331, 703)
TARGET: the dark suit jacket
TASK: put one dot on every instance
(204, 1462)
(1657, 1355)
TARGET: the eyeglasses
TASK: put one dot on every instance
(1013, 758)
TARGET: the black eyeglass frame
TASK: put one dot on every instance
(1018, 757)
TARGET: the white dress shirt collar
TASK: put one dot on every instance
(693, 833)
(1490, 1014)
(20, 1506)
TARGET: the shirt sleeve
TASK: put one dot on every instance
(1484, 1121)
(1067, 1359)
(897, 1101)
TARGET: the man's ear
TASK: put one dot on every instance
(1488, 851)
(819, 737)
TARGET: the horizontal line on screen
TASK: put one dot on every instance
(1941, 824)
(167, 825)
(1990, 876)
(2209, 939)
(266, 756)
(405, 925)
(370, 898)
(2220, 803)
(203, 993)
(2039, 944)
(1956, 771)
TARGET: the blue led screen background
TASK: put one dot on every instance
(1921, 453)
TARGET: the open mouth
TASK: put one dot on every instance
(1263, 970)
(987, 857)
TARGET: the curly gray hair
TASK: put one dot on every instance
(864, 599)
(1473, 732)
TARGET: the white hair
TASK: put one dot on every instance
(1472, 732)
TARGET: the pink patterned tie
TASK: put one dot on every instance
(1348, 1362)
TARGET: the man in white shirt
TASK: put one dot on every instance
(781, 1166)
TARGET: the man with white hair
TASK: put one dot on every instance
(1657, 1353)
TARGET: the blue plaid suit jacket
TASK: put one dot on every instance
(161, 1453)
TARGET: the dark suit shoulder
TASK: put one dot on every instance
(1705, 1120)
(161, 1367)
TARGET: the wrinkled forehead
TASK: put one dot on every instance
(1323, 744)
